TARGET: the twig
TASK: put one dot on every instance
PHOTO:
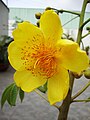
(88, 20)
(81, 21)
(86, 35)
(81, 91)
(67, 11)
(82, 45)
(69, 21)
(87, 100)
(45, 98)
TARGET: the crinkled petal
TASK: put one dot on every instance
(27, 81)
(58, 86)
(50, 24)
(71, 57)
(27, 34)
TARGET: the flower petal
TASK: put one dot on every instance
(50, 24)
(71, 57)
(15, 56)
(27, 81)
(58, 86)
(19, 58)
(27, 34)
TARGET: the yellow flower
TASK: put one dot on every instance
(40, 55)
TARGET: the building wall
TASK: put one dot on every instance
(3, 19)
(28, 14)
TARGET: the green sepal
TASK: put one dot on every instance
(21, 94)
(43, 88)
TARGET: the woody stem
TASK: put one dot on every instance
(64, 108)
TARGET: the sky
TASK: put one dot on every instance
(59, 4)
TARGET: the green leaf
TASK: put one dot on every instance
(5, 94)
(43, 88)
(13, 95)
(21, 94)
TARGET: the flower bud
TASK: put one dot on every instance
(87, 50)
(38, 23)
(87, 73)
(77, 75)
(88, 29)
(48, 8)
(38, 15)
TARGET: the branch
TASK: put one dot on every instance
(79, 36)
(88, 20)
(81, 91)
(45, 98)
(86, 35)
(82, 45)
(67, 11)
(69, 21)
(87, 100)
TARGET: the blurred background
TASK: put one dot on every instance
(34, 107)
(24, 10)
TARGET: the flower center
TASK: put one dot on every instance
(45, 61)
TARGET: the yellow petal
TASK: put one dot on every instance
(19, 58)
(58, 86)
(27, 34)
(15, 56)
(27, 81)
(71, 57)
(50, 24)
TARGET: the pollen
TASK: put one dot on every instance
(41, 60)
(45, 61)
